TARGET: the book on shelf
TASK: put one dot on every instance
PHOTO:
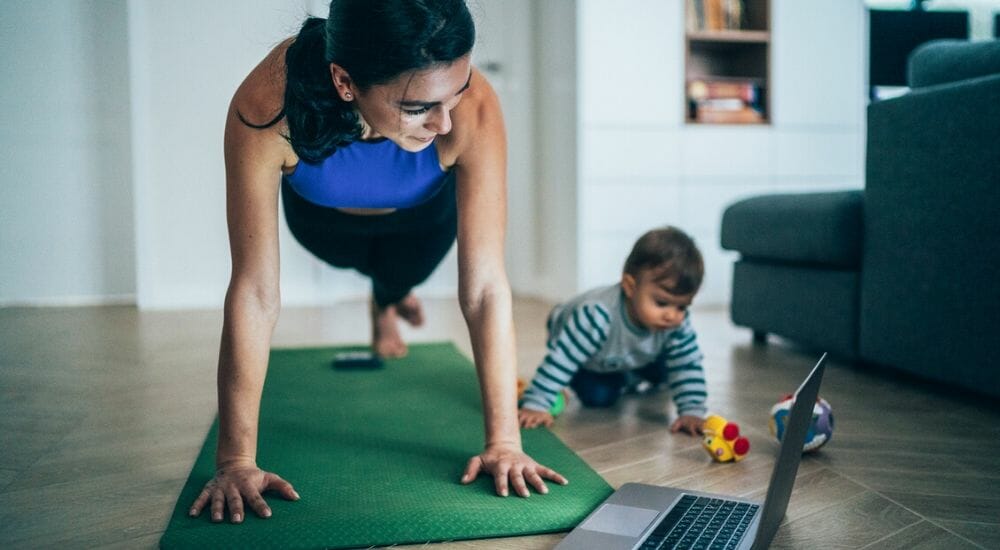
(714, 15)
(744, 115)
(747, 90)
(722, 104)
(726, 101)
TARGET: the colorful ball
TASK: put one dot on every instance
(820, 429)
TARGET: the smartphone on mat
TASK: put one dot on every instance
(357, 360)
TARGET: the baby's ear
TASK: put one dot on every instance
(628, 284)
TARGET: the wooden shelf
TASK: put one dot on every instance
(736, 119)
(722, 78)
(735, 36)
(727, 62)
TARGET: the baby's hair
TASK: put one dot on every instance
(671, 254)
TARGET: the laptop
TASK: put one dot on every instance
(647, 517)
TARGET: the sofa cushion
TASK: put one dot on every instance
(823, 229)
(943, 61)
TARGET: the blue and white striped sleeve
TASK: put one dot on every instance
(584, 334)
(685, 375)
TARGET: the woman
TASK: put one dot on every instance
(386, 143)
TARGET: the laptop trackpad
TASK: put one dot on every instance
(615, 519)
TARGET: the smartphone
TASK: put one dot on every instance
(357, 360)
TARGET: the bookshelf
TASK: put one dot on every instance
(727, 61)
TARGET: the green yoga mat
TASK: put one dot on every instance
(376, 457)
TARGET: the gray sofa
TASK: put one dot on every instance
(905, 273)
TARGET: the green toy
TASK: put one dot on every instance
(557, 408)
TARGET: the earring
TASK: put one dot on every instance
(348, 95)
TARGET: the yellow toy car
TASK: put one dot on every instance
(723, 441)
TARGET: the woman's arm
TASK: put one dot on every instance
(254, 159)
(252, 300)
(484, 291)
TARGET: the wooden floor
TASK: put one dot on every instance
(102, 411)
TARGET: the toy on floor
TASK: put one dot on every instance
(557, 407)
(820, 429)
(723, 441)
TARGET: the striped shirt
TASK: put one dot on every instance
(593, 332)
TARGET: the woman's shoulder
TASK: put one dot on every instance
(479, 107)
(254, 126)
(260, 97)
(478, 115)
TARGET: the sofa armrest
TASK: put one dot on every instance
(805, 228)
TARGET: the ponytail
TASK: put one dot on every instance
(318, 120)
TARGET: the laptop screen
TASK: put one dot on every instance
(789, 456)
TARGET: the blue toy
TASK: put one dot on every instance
(820, 429)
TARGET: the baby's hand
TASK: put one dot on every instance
(532, 419)
(687, 423)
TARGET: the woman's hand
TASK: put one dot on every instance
(507, 463)
(529, 418)
(234, 484)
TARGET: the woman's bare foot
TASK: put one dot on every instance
(386, 340)
(410, 309)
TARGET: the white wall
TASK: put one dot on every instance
(641, 166)
(184, 72)
(503, 52)
(611, 155)
(555, 192)
(186, 264)
(66, 232)
(135, 108)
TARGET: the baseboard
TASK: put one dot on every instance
(72, 301)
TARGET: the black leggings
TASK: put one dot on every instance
(397, 251)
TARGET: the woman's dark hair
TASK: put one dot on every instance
(672, 254)
(374, 41)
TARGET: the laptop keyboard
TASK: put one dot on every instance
(702, 523)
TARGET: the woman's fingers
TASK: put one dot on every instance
(235, 502)
(218, 504)
(500, 479)
(238, 490)
(517, 482)
(472, 469)
(537, 482)
(200, 502)
(274, 482)
(258, 505)
(549, 473)
(512, 469)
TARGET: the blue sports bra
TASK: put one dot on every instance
(370, 174)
